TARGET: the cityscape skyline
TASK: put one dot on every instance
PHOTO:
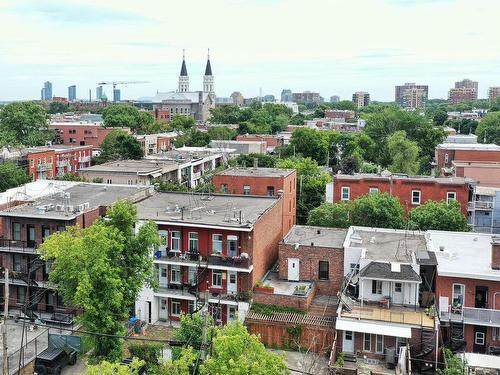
(437, 54)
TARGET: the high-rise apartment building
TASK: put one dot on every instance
(411, 95)
(334, 99)
(99, 91)
(466, 84)
(46, 93)
(493, 93)
(72, 93)
(464, 91)
(237, 98)
(307, 97)
(116, 95)
(286, 95)
(361, 99)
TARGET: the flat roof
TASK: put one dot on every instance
(257, 172)
(423, 179)
(97, 124)
(55, 148)
(144, 166)
(463, 254)
(320, 236)
(470, 146)
(96, 195)
(34, 190)
(390, 245)
(217, 210)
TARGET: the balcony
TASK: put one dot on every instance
(26, 247)
(472, 315)
(84, 159)
(44, 167)
(177, 257)
(174, 291)
(480, 205)
(221, 261)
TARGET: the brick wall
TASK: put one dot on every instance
(298, 302)
(309, 257)
(444, 288)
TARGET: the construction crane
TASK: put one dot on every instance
(116, 93)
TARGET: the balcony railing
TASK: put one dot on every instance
(221, 260)
(472, 315)
(28, 247)
(178, 256)
(44, 167)
(480, 205)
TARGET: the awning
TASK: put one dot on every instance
(156, 174)
(376, 328)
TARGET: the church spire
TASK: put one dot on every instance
(183, 77)
(184, 71)
(208, 68)
(208, 78)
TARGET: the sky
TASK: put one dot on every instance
(327, 46)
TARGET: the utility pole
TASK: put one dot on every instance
(4, 325)
(203, 348)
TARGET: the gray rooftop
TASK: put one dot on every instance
(138, 167)
(96, 195)
(257, 172)
(200, 209)
(320, 236)
(385, 176)
(383, 271)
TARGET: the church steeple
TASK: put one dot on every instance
(208, 78)
(183, 77)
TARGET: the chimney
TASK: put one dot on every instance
(495, 253)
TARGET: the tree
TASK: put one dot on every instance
(336, 215)
(488, 130)
(263, 160)
(108, 368)
(119, 145)
(349, 165)
(70, 177)
(403, 153)
(310, 143)
(346, 104)
(58, 107)
(226, 114)
(12, 176)
(24, 123)
(183, 365)
(379, 210)
(235, 351)
(192, 138)
(439, 117)
(221, 132)
(463, 126)
(126, 116)
(180, 122)
(190, 330)
(438, 216)
(101, 269)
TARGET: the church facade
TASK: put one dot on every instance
(166, 105)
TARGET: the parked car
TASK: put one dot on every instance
(52, 361)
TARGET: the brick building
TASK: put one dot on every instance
(462, 94)
(468, 298)
(493, 93)
(265, 182)
(81, 133)
(217, 246)
(45, 162)
(156, 143)
(412, 191)
(26, 225)
(271, 140)
(340, 114)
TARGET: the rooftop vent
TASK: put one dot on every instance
(441, 248)
(395, 267)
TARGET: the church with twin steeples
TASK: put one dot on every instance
(167, 105)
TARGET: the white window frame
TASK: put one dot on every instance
(379, 339)
(214, 274)
(476, 337)
(175, 237)
(413, 197)
(400, 287)
(346, 189)
(230, 314)
(217, 242)
(194, 241)
(495, 332)
(377, 289)
(373, 190)
(365, 336)
(231, 239)
(246, 190)
(453, 295)
(175, 303)
(448, 196)
(446, 158)
(175, 270)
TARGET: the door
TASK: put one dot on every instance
(163, 313)
(348, 344)
(397, 293)
(232, 283)
(31, 235)
(479, 339)
(163, 277)
(148, 304)
(481, 300)
(293, 269)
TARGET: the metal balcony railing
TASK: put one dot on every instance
(221, 260)
(472, 315)
(28, 247)
(480, 205)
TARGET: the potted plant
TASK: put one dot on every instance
(263, 288)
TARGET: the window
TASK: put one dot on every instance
(191, 307)
(16, 231)
(367, 342)
(398, 287)
(232, 312)
(323, 270)
(458, 295)
(446, 158)
(217, 279)
(373, 190)
(193, 242)
(223, 188)
(380, 344)
(376, 287)
(479, 339)
(345, 194)
(176, 308)
(270, 191)
(496, 333)
(451, 196)
(175, 275)
(232, 246)
(246, 190)
(17, 262)
(61, 228)
(192, 275)
(354, 266)
(415, 196)
(217, 243)
(175, 241)
(109, 181)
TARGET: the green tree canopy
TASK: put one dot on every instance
(221, 132)
(11, 176)
(126, 116)
(101, 269)
(403, 153)
(58, 107)
(263, 160)
(346, 104)
(463, 126)
(119, 145)
(108, 368)
(379, 210)
(310, 143)
(439, 117)
(180, 122)
(336, 215)
(438, 216)
(488, 130)
(24, 123)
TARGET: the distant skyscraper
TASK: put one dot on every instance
(116, 95)
(42, 94)
(286, 95)
(334, 99)
(237, 98)
(467, 84)
(411, 95)
(98, 93)
(493, 93)
(48, 90)
(464, 91)
(72, 93)
(361, 99)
